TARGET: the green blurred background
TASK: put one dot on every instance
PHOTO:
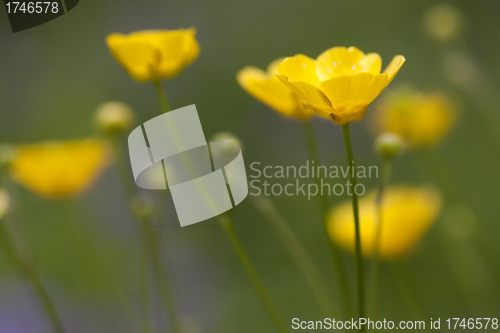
(53, 77)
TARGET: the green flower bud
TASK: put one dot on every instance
(388, 145)
(114, 117)
(226, 137)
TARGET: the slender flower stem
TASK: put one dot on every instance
(20, 260)
(150, 241)
(306, 265)
(355, 209)
(161, 96)
(335, 256)
(385, 175)
(227, 223)
(31, 275)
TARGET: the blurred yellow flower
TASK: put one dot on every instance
(60, 169)
(341, 83)
(268, 89)
(408, 212)
(419, 118)
(154, 54)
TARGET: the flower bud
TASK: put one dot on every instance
(114, 117)
(444, 23)
(388, 145)
(227, 137)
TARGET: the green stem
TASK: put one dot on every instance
(306, 265)
(161, 277)
(32, 276)
(226, 223)
(161, 96)
(384, 180)
(150, 242)
(335, 256)
(355, 209)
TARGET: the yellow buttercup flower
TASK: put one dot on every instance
(341, 83)
(419, 118)
(60, 169)
(268, 89)
(154, 54)
(408, 212)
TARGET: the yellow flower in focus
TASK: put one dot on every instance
(60, 169)
(408, 212)
(341, 83)
(419, 118)
(154, 54)
(268, 89)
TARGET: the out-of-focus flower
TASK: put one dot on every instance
(341, 83)
(114, 117)
(226, 137)
(4, 202)
(408, 212)
(419, 118)
(60, 170)
(154, 54)
(443, 22)
(388, 145)
(268, 89)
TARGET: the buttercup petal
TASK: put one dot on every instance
(408, 214)
(309, 94)
(394, 67)
(155, 54)
(60, 169)
(269, 89)
(272, 68)
(178, 49)
(338, 61)
(350, 95)
(299, 68)
(140, 58)
(371, 63)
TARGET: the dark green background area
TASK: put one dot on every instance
(53, 77)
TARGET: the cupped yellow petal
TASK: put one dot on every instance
(140, 58)
(299, 68)
(371, 63)
(311, 95)
(408, 212)
(342, 61)
(350, 95)
(269, 90)
(394, 67)
(154, 54)
(60, 169)
(178, 49)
